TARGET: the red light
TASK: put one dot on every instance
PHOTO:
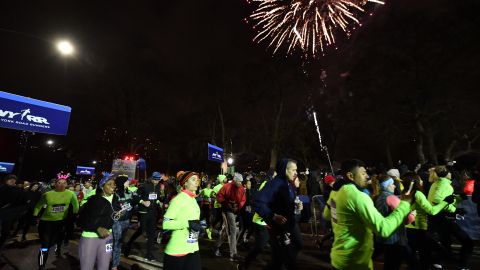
(469, 186)
(130, 158)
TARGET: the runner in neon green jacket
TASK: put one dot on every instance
(56, 205)
(182, 218)
(51, 227)
(355, 219)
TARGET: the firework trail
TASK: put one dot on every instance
(308, 25)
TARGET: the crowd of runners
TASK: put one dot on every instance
(404, 215)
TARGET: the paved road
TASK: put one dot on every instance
(23, 256)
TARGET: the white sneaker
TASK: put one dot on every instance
(437, 266)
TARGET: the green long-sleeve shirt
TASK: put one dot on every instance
(206, 194)
(354, 220)
(90, 193)
(182, 208)
(56, 205)
(439, 191)
(216, 189)
(424, 207)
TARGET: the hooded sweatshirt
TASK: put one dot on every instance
(277, 197)
(439, 191)
(354, 220)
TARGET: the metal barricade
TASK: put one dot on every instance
(317, 205)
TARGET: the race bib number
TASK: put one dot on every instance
(152, 196)
(248, 209)
(333, 210)
(109, 246)
(126, 206)
(192, 237)
(58, 208)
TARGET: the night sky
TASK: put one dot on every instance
(151, 77)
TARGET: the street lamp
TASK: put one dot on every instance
(50, 142)
(94, 162)
(65, 47)
(230, 161)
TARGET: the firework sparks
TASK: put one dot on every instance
(308, 25)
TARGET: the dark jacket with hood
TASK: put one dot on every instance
(13, 202)
(277, 197)
(97, 212)
(149, 192)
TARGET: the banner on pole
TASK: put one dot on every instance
(6, 167)
(215, 153)
(82, 170)
(28, 114)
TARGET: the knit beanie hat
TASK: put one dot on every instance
(104, 180)
(394, 173)
(221, 178)
(182, 177)
(237, 177)
(386, 183)
(156, 176)
(329, 179)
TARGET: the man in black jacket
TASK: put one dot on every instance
(275, 203)
(13, 204)
(149, 195)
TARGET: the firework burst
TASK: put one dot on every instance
(307, 25)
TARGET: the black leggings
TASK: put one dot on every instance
(261, 240)
(442, 229)
(285, 256)
(216, 217)
(148, 224)
(206, 214)
(191, 261)
(51, 233)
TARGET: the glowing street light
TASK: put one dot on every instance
(50, 142)
(65, 47)
(94, 162)
(230, 161)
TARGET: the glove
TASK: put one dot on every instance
(460, 211)
(195, 225)
(449, 199)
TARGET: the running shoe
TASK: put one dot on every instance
(217, 252)
(149, 258)
(235, 258)
(209, 233)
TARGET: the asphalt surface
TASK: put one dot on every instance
(23, 255)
